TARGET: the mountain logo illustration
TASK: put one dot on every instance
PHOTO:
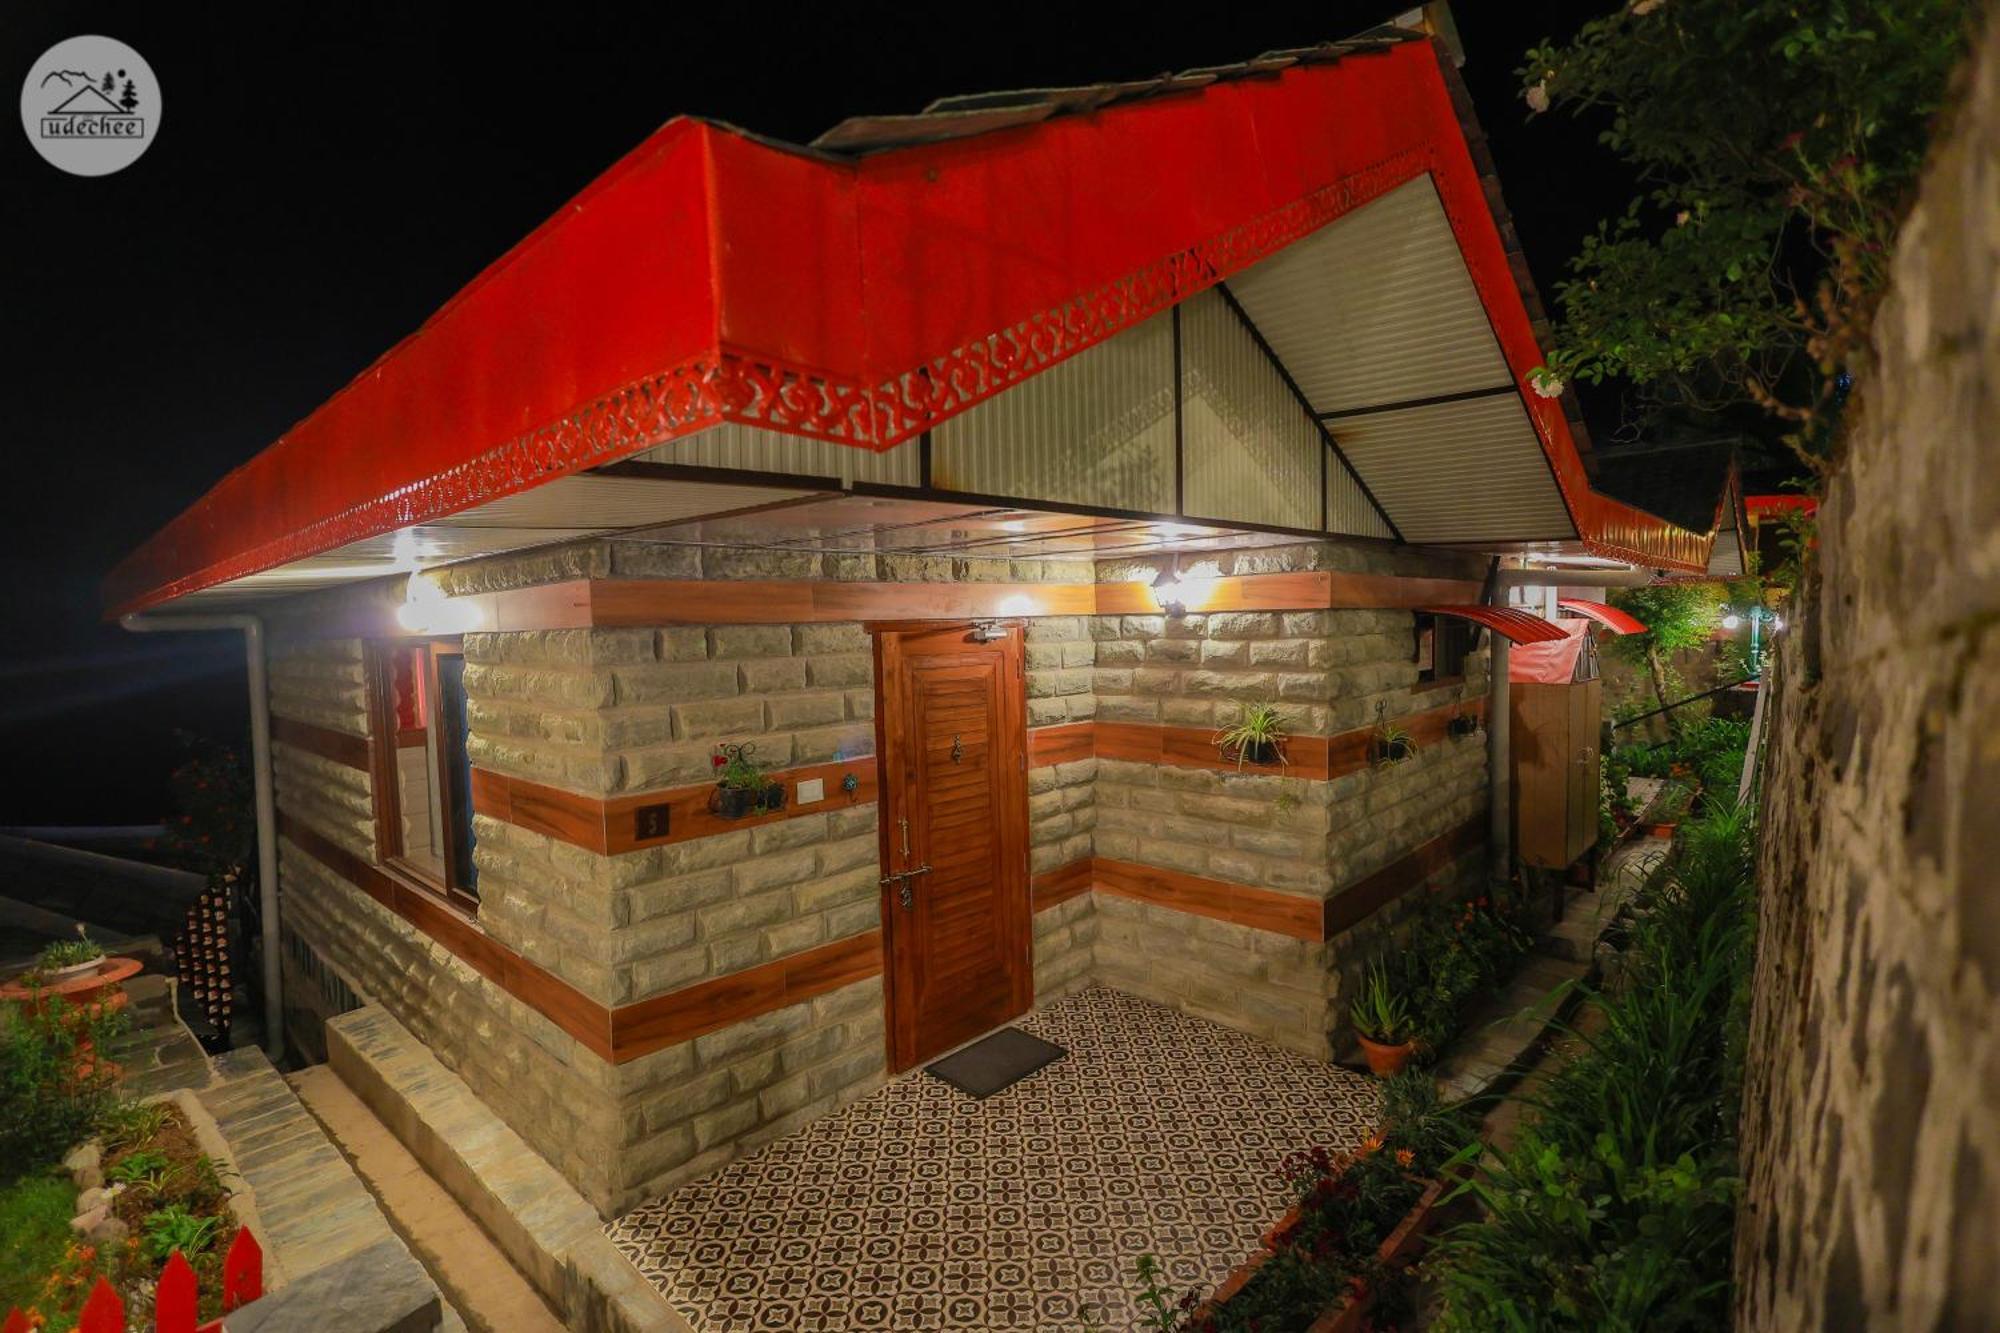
(87, 101)
(91, 105)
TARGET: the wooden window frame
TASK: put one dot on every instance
(385, 772)
(1443, 629)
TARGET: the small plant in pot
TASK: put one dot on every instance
(741, 786)
(65, 959)
(1392, 744)
(1462, 723)
(1382, 1023)
(1255, 739)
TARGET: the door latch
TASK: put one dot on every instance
(901, 879)
(957, 749)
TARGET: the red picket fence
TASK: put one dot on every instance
(175, 1302)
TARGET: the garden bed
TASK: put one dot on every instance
(1334, 1259)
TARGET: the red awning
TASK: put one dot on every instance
(1618, 622)
(1515, 625)
(712, 276)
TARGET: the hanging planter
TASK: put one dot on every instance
(1463, 724)
(1255, 739)
(1390, 743)
(743, 789)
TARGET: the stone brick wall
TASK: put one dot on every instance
(694, 1106)
(611, 711)
(1871, 1119)
(1327, 672)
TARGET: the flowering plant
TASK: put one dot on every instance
(736, 770)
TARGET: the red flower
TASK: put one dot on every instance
(716, 761)
(1792, 140)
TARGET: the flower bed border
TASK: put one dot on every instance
(1397, 1250)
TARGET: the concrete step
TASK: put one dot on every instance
(548, 1231)
(482, 1290)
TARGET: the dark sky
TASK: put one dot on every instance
(327, 175)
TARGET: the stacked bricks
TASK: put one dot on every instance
(694, 1106)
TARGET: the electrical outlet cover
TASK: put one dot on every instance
(812, 789)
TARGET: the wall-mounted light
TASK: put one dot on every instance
(1187, 593)
(426, 610)
(1731, 621)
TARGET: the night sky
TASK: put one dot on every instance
(327, 176)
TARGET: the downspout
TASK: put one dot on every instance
(1499, 775)
(252, 629)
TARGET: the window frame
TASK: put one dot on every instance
(379, 659)
(1444, 630)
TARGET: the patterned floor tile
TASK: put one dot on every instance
(920, 1208)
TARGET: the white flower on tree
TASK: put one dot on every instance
(1538, 97)
(1545, 382)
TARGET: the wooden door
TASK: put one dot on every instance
(1584, 759)
(956, 920)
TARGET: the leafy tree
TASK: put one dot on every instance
(1779, 142)
(1678, 616)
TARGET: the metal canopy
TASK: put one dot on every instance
(1618, 622)
(1515, 625)
(711, 277)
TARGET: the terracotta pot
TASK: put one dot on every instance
(103, 985)
(1385, 1060)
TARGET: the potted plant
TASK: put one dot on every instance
(741, 786)
(1462, 723)
(68, 959)
(1382, 1023)
(1255, 737)
(1393, 745)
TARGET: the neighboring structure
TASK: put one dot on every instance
(1696, 485)
(974, 467)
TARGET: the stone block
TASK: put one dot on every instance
(792, 711)
(723, 717)
(769, 674)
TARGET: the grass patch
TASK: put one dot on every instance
(34, 1231)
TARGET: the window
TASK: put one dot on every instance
(423, 775)
(1442, 643)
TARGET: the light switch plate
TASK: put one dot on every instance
(812, 789)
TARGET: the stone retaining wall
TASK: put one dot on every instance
(1871, 1115)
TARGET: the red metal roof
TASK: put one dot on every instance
(1510, 622)
(712, 276)
(1618, 622)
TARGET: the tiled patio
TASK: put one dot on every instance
(921, 1208)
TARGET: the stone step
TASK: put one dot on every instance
(483, 1291)
(548, 1231)
(319, 1225)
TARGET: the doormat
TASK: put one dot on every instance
(996, 1062)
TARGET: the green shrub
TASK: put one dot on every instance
(1455, 952)
(46, 1106)
(1615, 1207)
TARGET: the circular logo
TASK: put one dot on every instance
(91, 105)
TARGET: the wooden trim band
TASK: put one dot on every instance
(1259, 908)
(1061, 744)
(1245, 905)
(1052, 887)
(1356, 903)
(667, 1020)
(342, 747)
(614, 1034)
(613, 825)
(541, 990)
(1314, 758)
(583, 603)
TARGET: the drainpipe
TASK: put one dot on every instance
(1499, 780)
(252, 629)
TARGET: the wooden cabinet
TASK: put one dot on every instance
(1555, 770)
